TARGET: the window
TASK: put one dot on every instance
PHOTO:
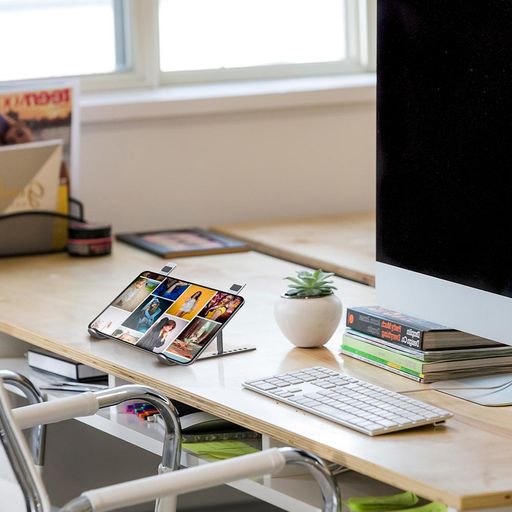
(59, 37)
(224, 35)
(134, 43)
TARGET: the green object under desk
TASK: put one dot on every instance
(219, 450)
(405, 502)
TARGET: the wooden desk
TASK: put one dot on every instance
(49, 300)
(344, 244)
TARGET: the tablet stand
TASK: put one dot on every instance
(207, 354)
(221, 352)
(221, 349)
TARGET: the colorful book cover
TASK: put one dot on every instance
(384, 356)
(404, 372)
(430, 356)
(36, 110)
(396, 359)
(391, 325)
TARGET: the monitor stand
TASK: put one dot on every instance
(490, 390)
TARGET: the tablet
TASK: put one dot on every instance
(167, 315)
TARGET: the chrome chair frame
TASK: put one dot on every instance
(34, 396)
(160, 486)
(171, 453)
(204, 476)
(34, 492)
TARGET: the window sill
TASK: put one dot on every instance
(227, 97)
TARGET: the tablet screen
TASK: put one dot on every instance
(167, 315)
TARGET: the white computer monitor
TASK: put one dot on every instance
(444, 200)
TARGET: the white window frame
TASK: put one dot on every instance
(143, 58)
(141, 48)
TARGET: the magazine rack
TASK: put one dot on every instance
(36, 231)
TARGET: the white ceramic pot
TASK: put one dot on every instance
(308, 322)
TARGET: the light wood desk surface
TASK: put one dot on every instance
(344, 244)
(49, 300)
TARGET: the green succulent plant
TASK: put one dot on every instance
(310, 284)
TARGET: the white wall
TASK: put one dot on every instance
(229, 167)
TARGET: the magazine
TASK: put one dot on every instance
(174, 243)
(36, 111)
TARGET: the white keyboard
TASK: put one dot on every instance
(350, 402)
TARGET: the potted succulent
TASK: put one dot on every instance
(309, 312)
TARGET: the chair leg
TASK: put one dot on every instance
(167, 504)
(330, 493)
(34, 396)
(19, 457)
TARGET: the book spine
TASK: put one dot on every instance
(52, 365)
(382, 353)
(393, 369)
(420, 355)
(382, 360)
(387, 330)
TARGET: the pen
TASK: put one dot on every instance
(73, 389)
(96, 387)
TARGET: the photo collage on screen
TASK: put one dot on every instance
(164, 314)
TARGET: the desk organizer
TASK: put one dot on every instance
(37, 231)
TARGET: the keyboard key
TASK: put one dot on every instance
(399, 420)
(314, 396)
(413, 417)
(264, 386)
(386, 423)
(300, 400)
(370, 425)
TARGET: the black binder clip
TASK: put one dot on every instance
(236, 288)
(168, 268)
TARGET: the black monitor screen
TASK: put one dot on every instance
(445, 140)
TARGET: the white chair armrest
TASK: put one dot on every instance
(147, 489)
(85, 404)
(201, 477)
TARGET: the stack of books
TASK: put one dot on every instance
(420, 350)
